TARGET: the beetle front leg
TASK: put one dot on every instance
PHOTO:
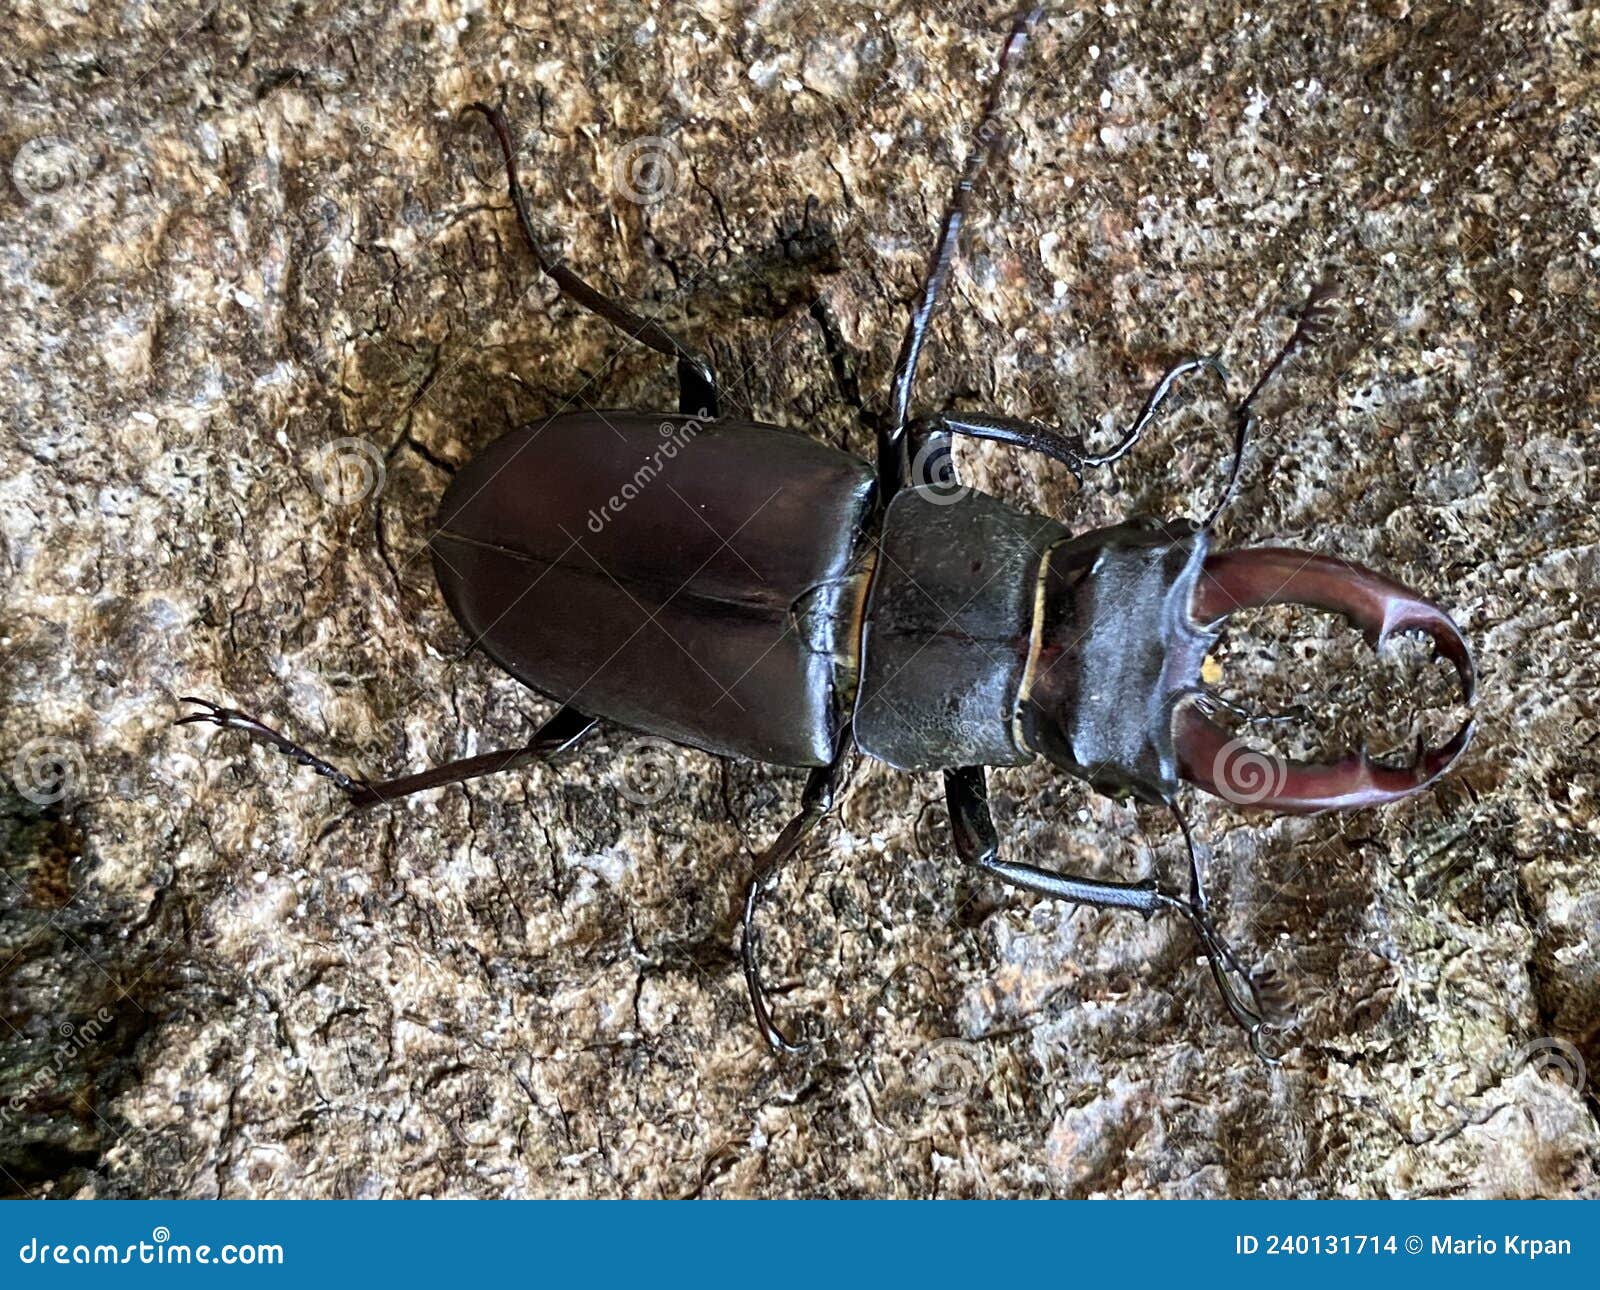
(921, 445)
(977, 842)
(555, 736)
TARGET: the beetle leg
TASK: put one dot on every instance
(1051, 441)
(978, 843)
(1197, 886)
(556, 735)
(891, 442)
(261, 733)
(697, 383)
(822, 786)
(846, 365)
(1380, 607)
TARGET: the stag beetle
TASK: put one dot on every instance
(785, 601)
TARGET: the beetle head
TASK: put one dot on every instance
(1114, 652)
(1123, 620)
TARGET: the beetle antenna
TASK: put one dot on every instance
(1316, 320)
(1197, 888)
(1248, 998)
(944, 251)
(1209, 700)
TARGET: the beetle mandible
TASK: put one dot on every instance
(813, 603)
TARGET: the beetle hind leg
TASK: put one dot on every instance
(555, 736)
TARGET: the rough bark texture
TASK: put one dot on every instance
(238, 242)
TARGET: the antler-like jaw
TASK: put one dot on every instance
(1211, 759)
(1126, 616)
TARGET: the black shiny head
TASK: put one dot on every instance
(1116, 651)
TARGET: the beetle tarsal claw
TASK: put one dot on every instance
(749, 958)
(259, 732)
(230, 719)
(1252, 1000)
(749, 948)
(1381, 608)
